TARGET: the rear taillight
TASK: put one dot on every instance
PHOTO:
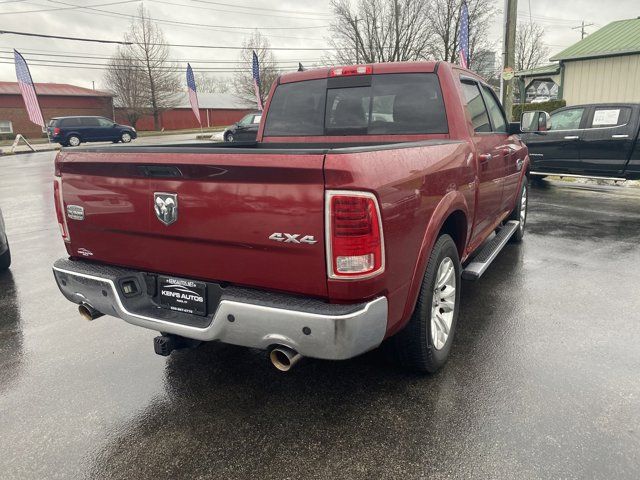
(56, 131)
(355, 244)
(57, 200)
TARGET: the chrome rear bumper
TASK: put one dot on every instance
(245, 317)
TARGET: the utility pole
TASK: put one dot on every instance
(509, 54)
(582, 31)
(357, 41)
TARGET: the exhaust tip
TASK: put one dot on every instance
(284, 358)
(88, 312)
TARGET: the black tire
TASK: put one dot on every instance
(414, 345)
(5, 261)
(228, 137)
(516, 213)
(115, 141)
(126, 137)
(72, 139)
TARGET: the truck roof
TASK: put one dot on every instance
(390, 67)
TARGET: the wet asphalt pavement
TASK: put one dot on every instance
(543, 381)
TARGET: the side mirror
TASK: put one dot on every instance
(115, 125)
(535, 121)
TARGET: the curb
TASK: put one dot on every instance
(19, 152)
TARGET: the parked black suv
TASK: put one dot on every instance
(244, 130)
(72, 131)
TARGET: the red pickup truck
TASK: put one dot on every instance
(371, 191)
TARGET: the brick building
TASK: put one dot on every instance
(216, 109)
(56, 100)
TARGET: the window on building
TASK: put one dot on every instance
(567, 119)
(6, 126)
(476, 107)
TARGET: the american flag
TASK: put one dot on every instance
(256, 79)
(464, 36)
(193, 95)
(28, 90)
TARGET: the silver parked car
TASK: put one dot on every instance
(5, 254)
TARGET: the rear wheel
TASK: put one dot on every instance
(519, 213)
(425, 342)
(73, 141)
(5, 260)
(126, 137)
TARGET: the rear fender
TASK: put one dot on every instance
(451, 202)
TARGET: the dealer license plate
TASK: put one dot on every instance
(180, 295)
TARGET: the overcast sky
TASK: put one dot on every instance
(287, 23)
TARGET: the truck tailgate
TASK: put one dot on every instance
(226, 208)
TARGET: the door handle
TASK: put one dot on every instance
(619, 136)
(485, 157)
(571, 137)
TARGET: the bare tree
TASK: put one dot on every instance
(444, 17)
(212, 84)
(531, 51)
(126, 78)
(148, 53)
(243, 80)
(379, 31)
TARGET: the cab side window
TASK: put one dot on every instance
(498, 120)
(567, 119)
(610, 117)
(476, 107)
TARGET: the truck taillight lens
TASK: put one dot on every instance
(57, 200)
(355, 244)
(348, 71)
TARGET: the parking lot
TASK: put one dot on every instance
(543, 380)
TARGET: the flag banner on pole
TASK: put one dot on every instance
(193, 94)
(256, 79)
(464, 36)
(28, 90)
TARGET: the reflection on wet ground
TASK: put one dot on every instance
(542, 382)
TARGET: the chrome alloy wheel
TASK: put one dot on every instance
(523, 206)
(444, 303)
(126, 137)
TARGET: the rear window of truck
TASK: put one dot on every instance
(402, 103)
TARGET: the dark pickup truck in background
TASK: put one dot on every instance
(372, 191)
(588, 140)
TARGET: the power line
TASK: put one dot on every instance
(170, 60)
(102, 68)
(68, 8)
(166, 2)
(258, 8)
(183, 45)
(168, 66)
(187, 24)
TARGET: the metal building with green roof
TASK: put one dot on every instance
(603, 67)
